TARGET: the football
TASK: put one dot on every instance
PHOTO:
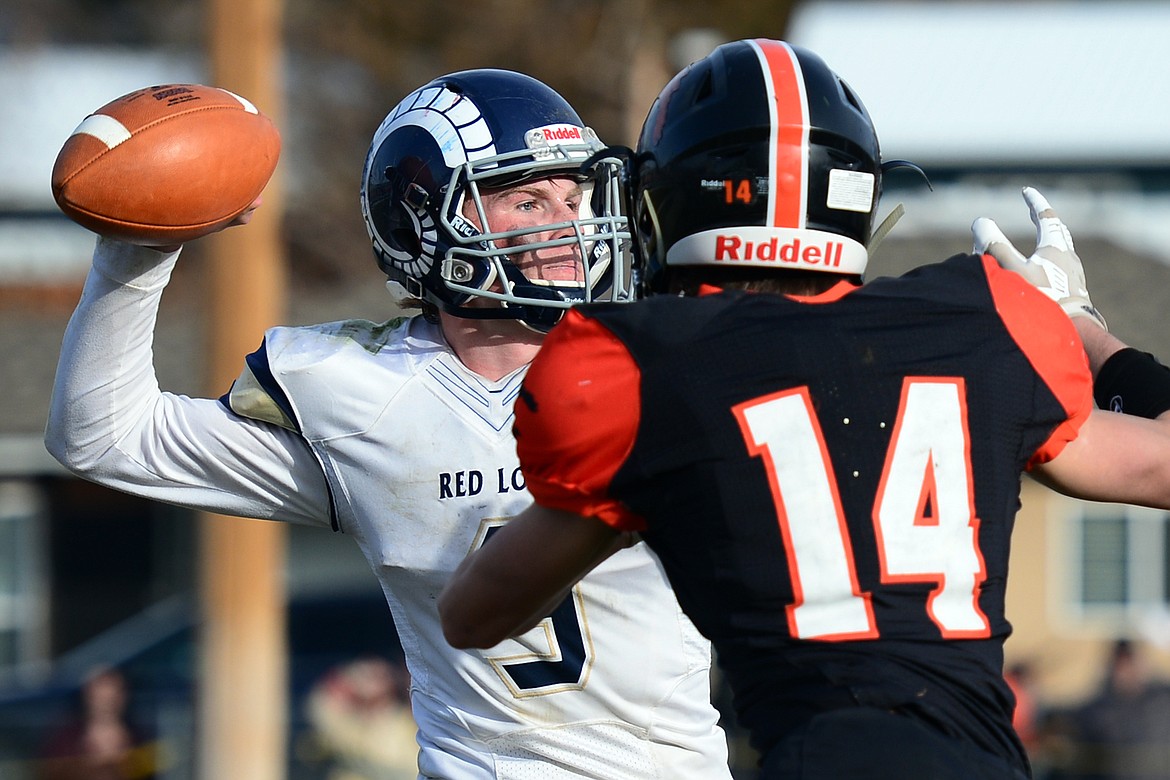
(165, 164)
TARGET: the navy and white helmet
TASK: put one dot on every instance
(756, 155)
(477, 129)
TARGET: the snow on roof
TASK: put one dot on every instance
(46, 92)
(993, 83)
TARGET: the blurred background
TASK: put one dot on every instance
(100, 593)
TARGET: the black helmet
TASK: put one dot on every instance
(488, 128)
(756, 155)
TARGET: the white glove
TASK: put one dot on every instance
(1053, 268)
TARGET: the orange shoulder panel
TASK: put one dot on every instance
(577, 418)
(1047, 337)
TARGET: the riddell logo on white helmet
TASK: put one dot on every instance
(736, 249)
(558, 133)
(771, 247)
(551, 140)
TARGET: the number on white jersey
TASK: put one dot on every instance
(565, 656)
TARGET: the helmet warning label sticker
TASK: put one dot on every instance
(850, 190)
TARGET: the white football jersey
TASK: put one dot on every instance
(419, 467)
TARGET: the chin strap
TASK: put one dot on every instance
(885, 227)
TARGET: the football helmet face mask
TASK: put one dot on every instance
(757, 155)
(423, 199)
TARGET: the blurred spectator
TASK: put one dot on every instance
(1124, 731)
(1021, 680)
(1047, 734)
(100, 742)
(360, 713)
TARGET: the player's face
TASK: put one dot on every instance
(556, 199)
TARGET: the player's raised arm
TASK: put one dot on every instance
(1115, 457)
(1125, 379)
(147, 172)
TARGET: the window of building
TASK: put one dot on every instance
(23, 619)
(1120, 564)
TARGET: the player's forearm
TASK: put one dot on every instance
(518, 577)
(620, 542)
(480, 607)
(1135, 383)
(108, 421)
(105, 376)
(1100, 344)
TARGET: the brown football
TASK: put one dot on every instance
(165, 164)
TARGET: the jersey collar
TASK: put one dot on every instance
(834, 293)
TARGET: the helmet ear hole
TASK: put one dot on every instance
(407, 240)
(402, 229)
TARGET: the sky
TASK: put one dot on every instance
(1053, 85)
(1003, 82)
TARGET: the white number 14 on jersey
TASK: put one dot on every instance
(923, 513)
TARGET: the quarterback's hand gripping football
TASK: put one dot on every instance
(1053, 268)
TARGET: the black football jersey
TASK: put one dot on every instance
(830, 482)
